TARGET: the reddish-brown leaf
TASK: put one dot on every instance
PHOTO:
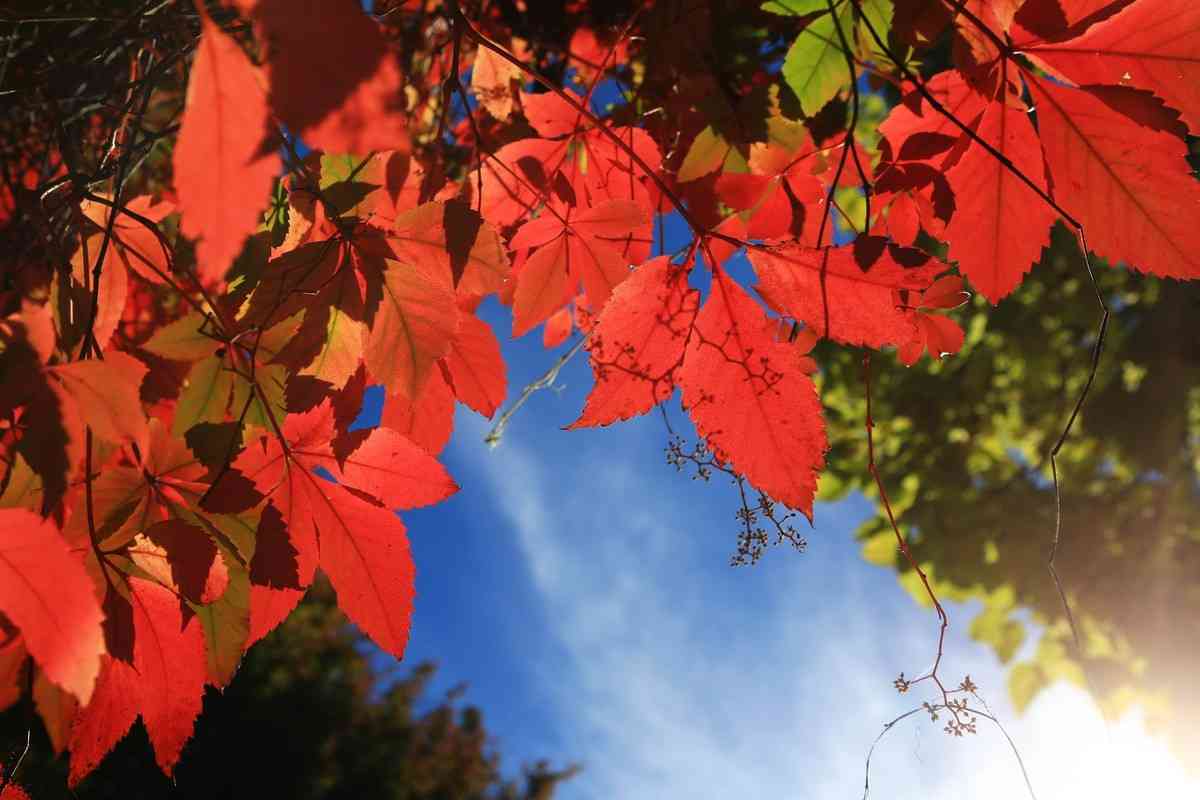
(638, 341)
(750, 399)
(333, 79)
(223, 174)
(48, 596)
(57, 709)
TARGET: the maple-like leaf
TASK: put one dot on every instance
(48, 596)
(1000, 225)
(844, 293)
(572, 248)
(1147, 45)
(781, 194)
(1126, 183)
(750, 399)
(56, 403)
(361, 546)
(223, 174)
(637, 344)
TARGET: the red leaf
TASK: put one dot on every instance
(429, 421)
(169, 658)
(476, 367)
(558, 328)
(1000, 225)
(222, 172)
(1127, 184)
(637, 344)
(550, 115)
(285, 560)
(905, 122)
(904, 221)
(750, 399)
(611, 219)
(542, 286)
(362, 547)
(49, 597)
(364, 551)
(839, 293)
(1149, 45)
(106, 719)
(599, 265)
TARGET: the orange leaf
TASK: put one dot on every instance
(637, 343)
(49, 597)
(751, 401)
(222, 173)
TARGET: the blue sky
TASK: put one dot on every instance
(582, 588)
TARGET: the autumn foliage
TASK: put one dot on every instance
(182, 367)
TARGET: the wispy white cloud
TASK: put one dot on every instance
(686, 679)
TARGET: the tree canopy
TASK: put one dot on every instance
(912, 229)
(311, 714)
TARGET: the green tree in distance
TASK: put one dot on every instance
(971, 483)
(310, 715)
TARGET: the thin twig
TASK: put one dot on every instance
(544, 382)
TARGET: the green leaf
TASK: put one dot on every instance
(995, 627)
(1025, 681)
(815, 67)
(183, 340)
(205, 394)
(795, 8)
(706, 155)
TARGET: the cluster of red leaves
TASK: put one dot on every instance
(178, 469)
